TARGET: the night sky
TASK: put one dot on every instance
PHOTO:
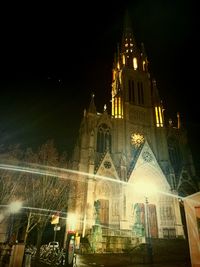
(54, 56)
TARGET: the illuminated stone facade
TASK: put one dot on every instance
(132, 146)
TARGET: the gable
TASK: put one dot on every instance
(107, 168)
(108, 184)
(148, 172)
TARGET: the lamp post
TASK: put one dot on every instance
(17, 254)
(13, 208)
(146, 189)
(70, 242)
(55, 222)
(148, 233)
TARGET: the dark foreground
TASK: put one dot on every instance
(117, 260)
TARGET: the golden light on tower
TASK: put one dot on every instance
(144, 65)
(123, 60)
(159, 116)
(135, 65)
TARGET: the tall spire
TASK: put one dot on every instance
(128, 41)
(127, 22)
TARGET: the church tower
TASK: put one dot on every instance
(120, 156)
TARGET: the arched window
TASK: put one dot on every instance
(174, 154)
(135, 64)
(123, 60)
(143, 65)
(131, 91)
(103, 138)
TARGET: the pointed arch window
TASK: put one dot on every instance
(135, 64)
(131, 90)
(174, 153)
(103, 138)
(159, 116)
(139, 96)
(143, 65)
(117, 107)
(123, 60)
(140, 93)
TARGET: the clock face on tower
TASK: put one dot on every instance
(137, 139)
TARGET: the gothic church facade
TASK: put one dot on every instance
(131, 165)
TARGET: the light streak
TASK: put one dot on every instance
(64, 174)
(45, 170)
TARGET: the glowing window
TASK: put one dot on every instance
(131, 44)
(135, 65)
(126, 45)
(127, 51)
(159, 118)
(123, 60)
(144, 65)
(117, 108)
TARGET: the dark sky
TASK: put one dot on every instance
(53, 56)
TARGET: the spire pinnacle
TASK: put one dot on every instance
(92, 107)
(129, 48)
(156, 97)
(127, 22)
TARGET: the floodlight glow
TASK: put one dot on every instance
(72, 219)
(145, 188)
(15, 206)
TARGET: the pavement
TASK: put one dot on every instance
(120, 261)
(115, 260)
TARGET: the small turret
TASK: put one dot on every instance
(144, 58)
(92, 107)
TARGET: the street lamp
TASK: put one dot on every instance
(13, 207)
(148, 233)
(146, 189)
(70, 240)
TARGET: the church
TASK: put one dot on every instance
(132, 165)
